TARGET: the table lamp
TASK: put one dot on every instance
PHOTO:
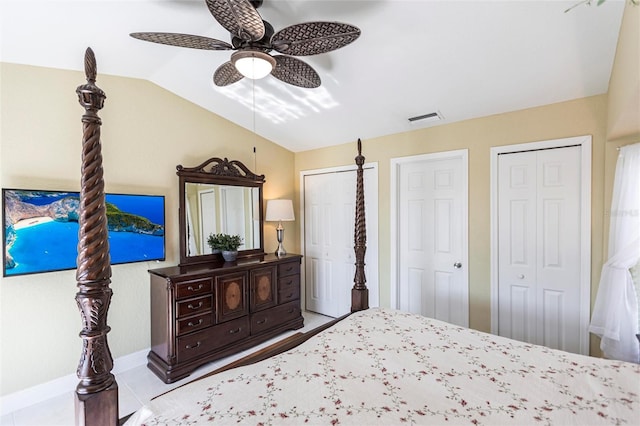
(279, 210)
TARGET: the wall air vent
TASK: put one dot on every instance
(425, 118)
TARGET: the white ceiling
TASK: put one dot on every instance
(465, 59)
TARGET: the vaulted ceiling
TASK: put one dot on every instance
(462, 59)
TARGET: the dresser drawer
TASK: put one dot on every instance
(289, 283)
(290, 268)
(187, 325)
(194, 306)
(289, 294)
(273, 317)
(194, 288)
(212, 338)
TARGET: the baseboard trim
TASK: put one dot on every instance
(62, 385)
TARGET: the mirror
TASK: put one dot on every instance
(219, 196)
(227, 209)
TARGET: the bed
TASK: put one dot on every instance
(383, 366)
(376, 366)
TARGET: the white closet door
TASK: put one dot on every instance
(326, 257)
(517, 241)
(328, 241)
(539, 247)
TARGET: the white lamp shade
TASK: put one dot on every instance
(253, 64)
(279, 210)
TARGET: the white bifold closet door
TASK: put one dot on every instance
(329, 258)
(539, 247)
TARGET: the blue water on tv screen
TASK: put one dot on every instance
(44, 236)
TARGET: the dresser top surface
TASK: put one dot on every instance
(240, 264)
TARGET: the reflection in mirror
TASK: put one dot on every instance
(219, 196)
(227, 209)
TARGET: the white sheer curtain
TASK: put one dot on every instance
(615, 314)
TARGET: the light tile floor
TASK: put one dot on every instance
(135, 387)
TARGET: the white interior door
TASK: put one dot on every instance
(233, 212)
(329, 215)
(431, 222)
(539, 247)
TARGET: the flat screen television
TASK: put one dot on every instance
(41, 229)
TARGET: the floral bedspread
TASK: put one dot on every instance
(386, 367)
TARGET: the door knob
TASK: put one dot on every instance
(457, 265)
(521, 276)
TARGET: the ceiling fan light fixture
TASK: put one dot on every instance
(253, 64)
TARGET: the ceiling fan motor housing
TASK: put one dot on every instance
(263, 44)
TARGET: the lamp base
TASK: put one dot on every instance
(280, 251)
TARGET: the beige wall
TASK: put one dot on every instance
(579, 117)
(624, 85)
(623, 121)
(146, 132)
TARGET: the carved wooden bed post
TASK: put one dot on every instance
(96, 398)
(359, 292)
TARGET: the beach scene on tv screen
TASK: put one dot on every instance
(41, 229)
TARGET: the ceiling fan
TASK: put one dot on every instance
(252, 38)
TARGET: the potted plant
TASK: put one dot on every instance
(213, 242)
(227, 244)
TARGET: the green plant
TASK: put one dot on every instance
(224, 242)
(213, 241)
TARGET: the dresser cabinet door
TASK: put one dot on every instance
(263, 288)
(231, 296)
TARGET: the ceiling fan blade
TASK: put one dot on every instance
(296, 72)
(184, 40)
(226, 74)
(312, 38)
(238, 17)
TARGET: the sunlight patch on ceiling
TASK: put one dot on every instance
(280, 103)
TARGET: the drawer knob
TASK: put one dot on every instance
(237, 330)
(190, 306)
(262, 321)
(197, 345)
(190, 288)
(194, 324)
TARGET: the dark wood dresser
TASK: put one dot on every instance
(200, 313)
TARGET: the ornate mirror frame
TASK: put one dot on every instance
(217, 171)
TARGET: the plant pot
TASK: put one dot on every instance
(230, 256)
